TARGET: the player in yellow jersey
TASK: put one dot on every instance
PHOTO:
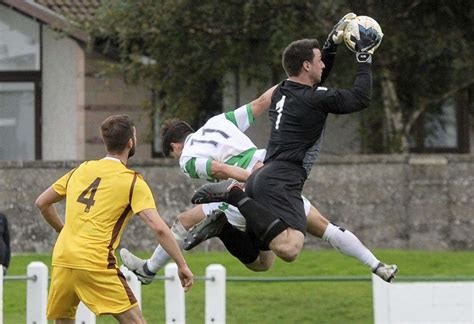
(101, 195)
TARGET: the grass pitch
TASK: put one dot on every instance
(296, 302)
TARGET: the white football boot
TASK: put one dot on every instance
(386, 271)
(137, 266)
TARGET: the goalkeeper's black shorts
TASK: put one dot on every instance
(278, 186)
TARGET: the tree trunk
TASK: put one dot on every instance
(395, 136)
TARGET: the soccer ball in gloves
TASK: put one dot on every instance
(363, 34)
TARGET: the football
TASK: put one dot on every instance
(361, 25)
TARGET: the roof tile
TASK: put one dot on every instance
(76, 10)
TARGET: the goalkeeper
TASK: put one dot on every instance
(272, 203)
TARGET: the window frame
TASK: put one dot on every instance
(35, 77)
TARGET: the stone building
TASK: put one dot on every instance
(52, 96)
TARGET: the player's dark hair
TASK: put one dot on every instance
(116, 130)
(173, 131)
(296, 53)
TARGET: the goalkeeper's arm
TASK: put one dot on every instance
(345, 101)
(335, 37)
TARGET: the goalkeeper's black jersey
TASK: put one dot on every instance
(298, 113)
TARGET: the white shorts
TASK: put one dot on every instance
(234, 216)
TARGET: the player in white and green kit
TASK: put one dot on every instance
(220, 150)
(221, 144)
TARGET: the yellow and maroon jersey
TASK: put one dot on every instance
(100, 196)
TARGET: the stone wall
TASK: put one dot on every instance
(388, 201)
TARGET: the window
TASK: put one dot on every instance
(445, 129)
(20, 91)
(19, 42)
(17, 122)
(440, 128)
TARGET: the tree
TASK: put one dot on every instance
(424, 59)
(184, 49)
(192, 44)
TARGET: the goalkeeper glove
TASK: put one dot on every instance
(366, 45)
(336, 35)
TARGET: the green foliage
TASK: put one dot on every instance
(190, 46)
(193, 44)
(329, 302)
(425, 53)
(426, 45)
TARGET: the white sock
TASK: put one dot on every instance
(347, 243)
(160, 258)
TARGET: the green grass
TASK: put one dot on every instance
(300, 302)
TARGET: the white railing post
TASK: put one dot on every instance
(37, 293)
(133, 283)
(381, 300)
(174, 296)
(1, 294)
(84, 315)
(215, 294)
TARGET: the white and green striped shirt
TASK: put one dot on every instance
(221, 139)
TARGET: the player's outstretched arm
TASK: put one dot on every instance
(263, 102)
(168, 242)
(45, 203)
(344, 101)
(334, 38)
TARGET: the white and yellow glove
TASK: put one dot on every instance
(335, 37)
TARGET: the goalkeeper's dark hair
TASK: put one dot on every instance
(296, 53)
(173, 131)
(116, 131)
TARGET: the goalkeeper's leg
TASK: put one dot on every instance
(347, 243)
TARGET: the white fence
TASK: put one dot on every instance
(37, 294)
(396, 303)
(215, 287)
